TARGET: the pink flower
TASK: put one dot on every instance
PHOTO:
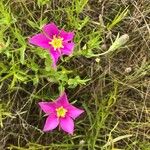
(57, 42)
(60, 113)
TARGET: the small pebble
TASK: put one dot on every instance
(128, 70)
(81, 142)
(97, 60)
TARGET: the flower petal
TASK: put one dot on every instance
(50, 30)
(51, 123)
(68, 48)
(74, 112)
(67, 124)
(47, 107)
(54, 55)
(67, 36)
(40, 40)
(62, 100)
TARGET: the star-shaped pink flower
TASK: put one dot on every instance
(61, 113)
(57, 42)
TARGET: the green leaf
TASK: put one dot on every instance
(42, 2)
(22, 42)
(4, 113)
(79, 5)
(32, 24)
(76, 81)
(119, 17)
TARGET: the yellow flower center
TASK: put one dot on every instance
(57, 42)
(61, 112)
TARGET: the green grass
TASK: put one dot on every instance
(107, 75)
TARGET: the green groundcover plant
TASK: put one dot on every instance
(74, 74)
